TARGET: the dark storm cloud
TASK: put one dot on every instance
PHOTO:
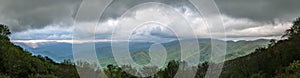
(261, 10)
(242, 16)
(118, 7)
(22, 15)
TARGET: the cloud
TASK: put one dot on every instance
(264, 30)
(234, 27)
(59, 41)
(118, 7)
(49, 32)
(260, 10)
(22, 15)
(52, 19)
(154, 20)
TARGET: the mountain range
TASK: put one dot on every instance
(60, 51)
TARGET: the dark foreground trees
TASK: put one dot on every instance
(18, 63)
(279, 60)
(294, 32)
(4, 32)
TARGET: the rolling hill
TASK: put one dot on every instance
(139, 50)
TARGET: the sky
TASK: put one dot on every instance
(54, 19)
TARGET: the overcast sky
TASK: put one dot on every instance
(53, 19)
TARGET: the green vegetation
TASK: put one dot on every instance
(234, 50)
(279, 60)
(18, 63)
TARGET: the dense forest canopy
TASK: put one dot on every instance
(4, 32)
(16, 62)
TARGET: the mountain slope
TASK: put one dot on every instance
(279, 60)
(139, 50)
(15, 62)
(234, 50)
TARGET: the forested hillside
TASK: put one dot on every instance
(18, 63)
(280, 59)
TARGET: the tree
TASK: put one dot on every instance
(4, 32)
(294, 32)
(15, 62)
(272, 42)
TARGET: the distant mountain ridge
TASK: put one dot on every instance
(60, 51)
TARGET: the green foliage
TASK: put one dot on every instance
(234, 50)
(291, 71)
(266, 60)
(4, 76)
(170, 70)
(15, 62)
(294, 32)
(4, 32)
(277, 60)
(258, 75)
(113, 71)
(18, 63)
(293, 67)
